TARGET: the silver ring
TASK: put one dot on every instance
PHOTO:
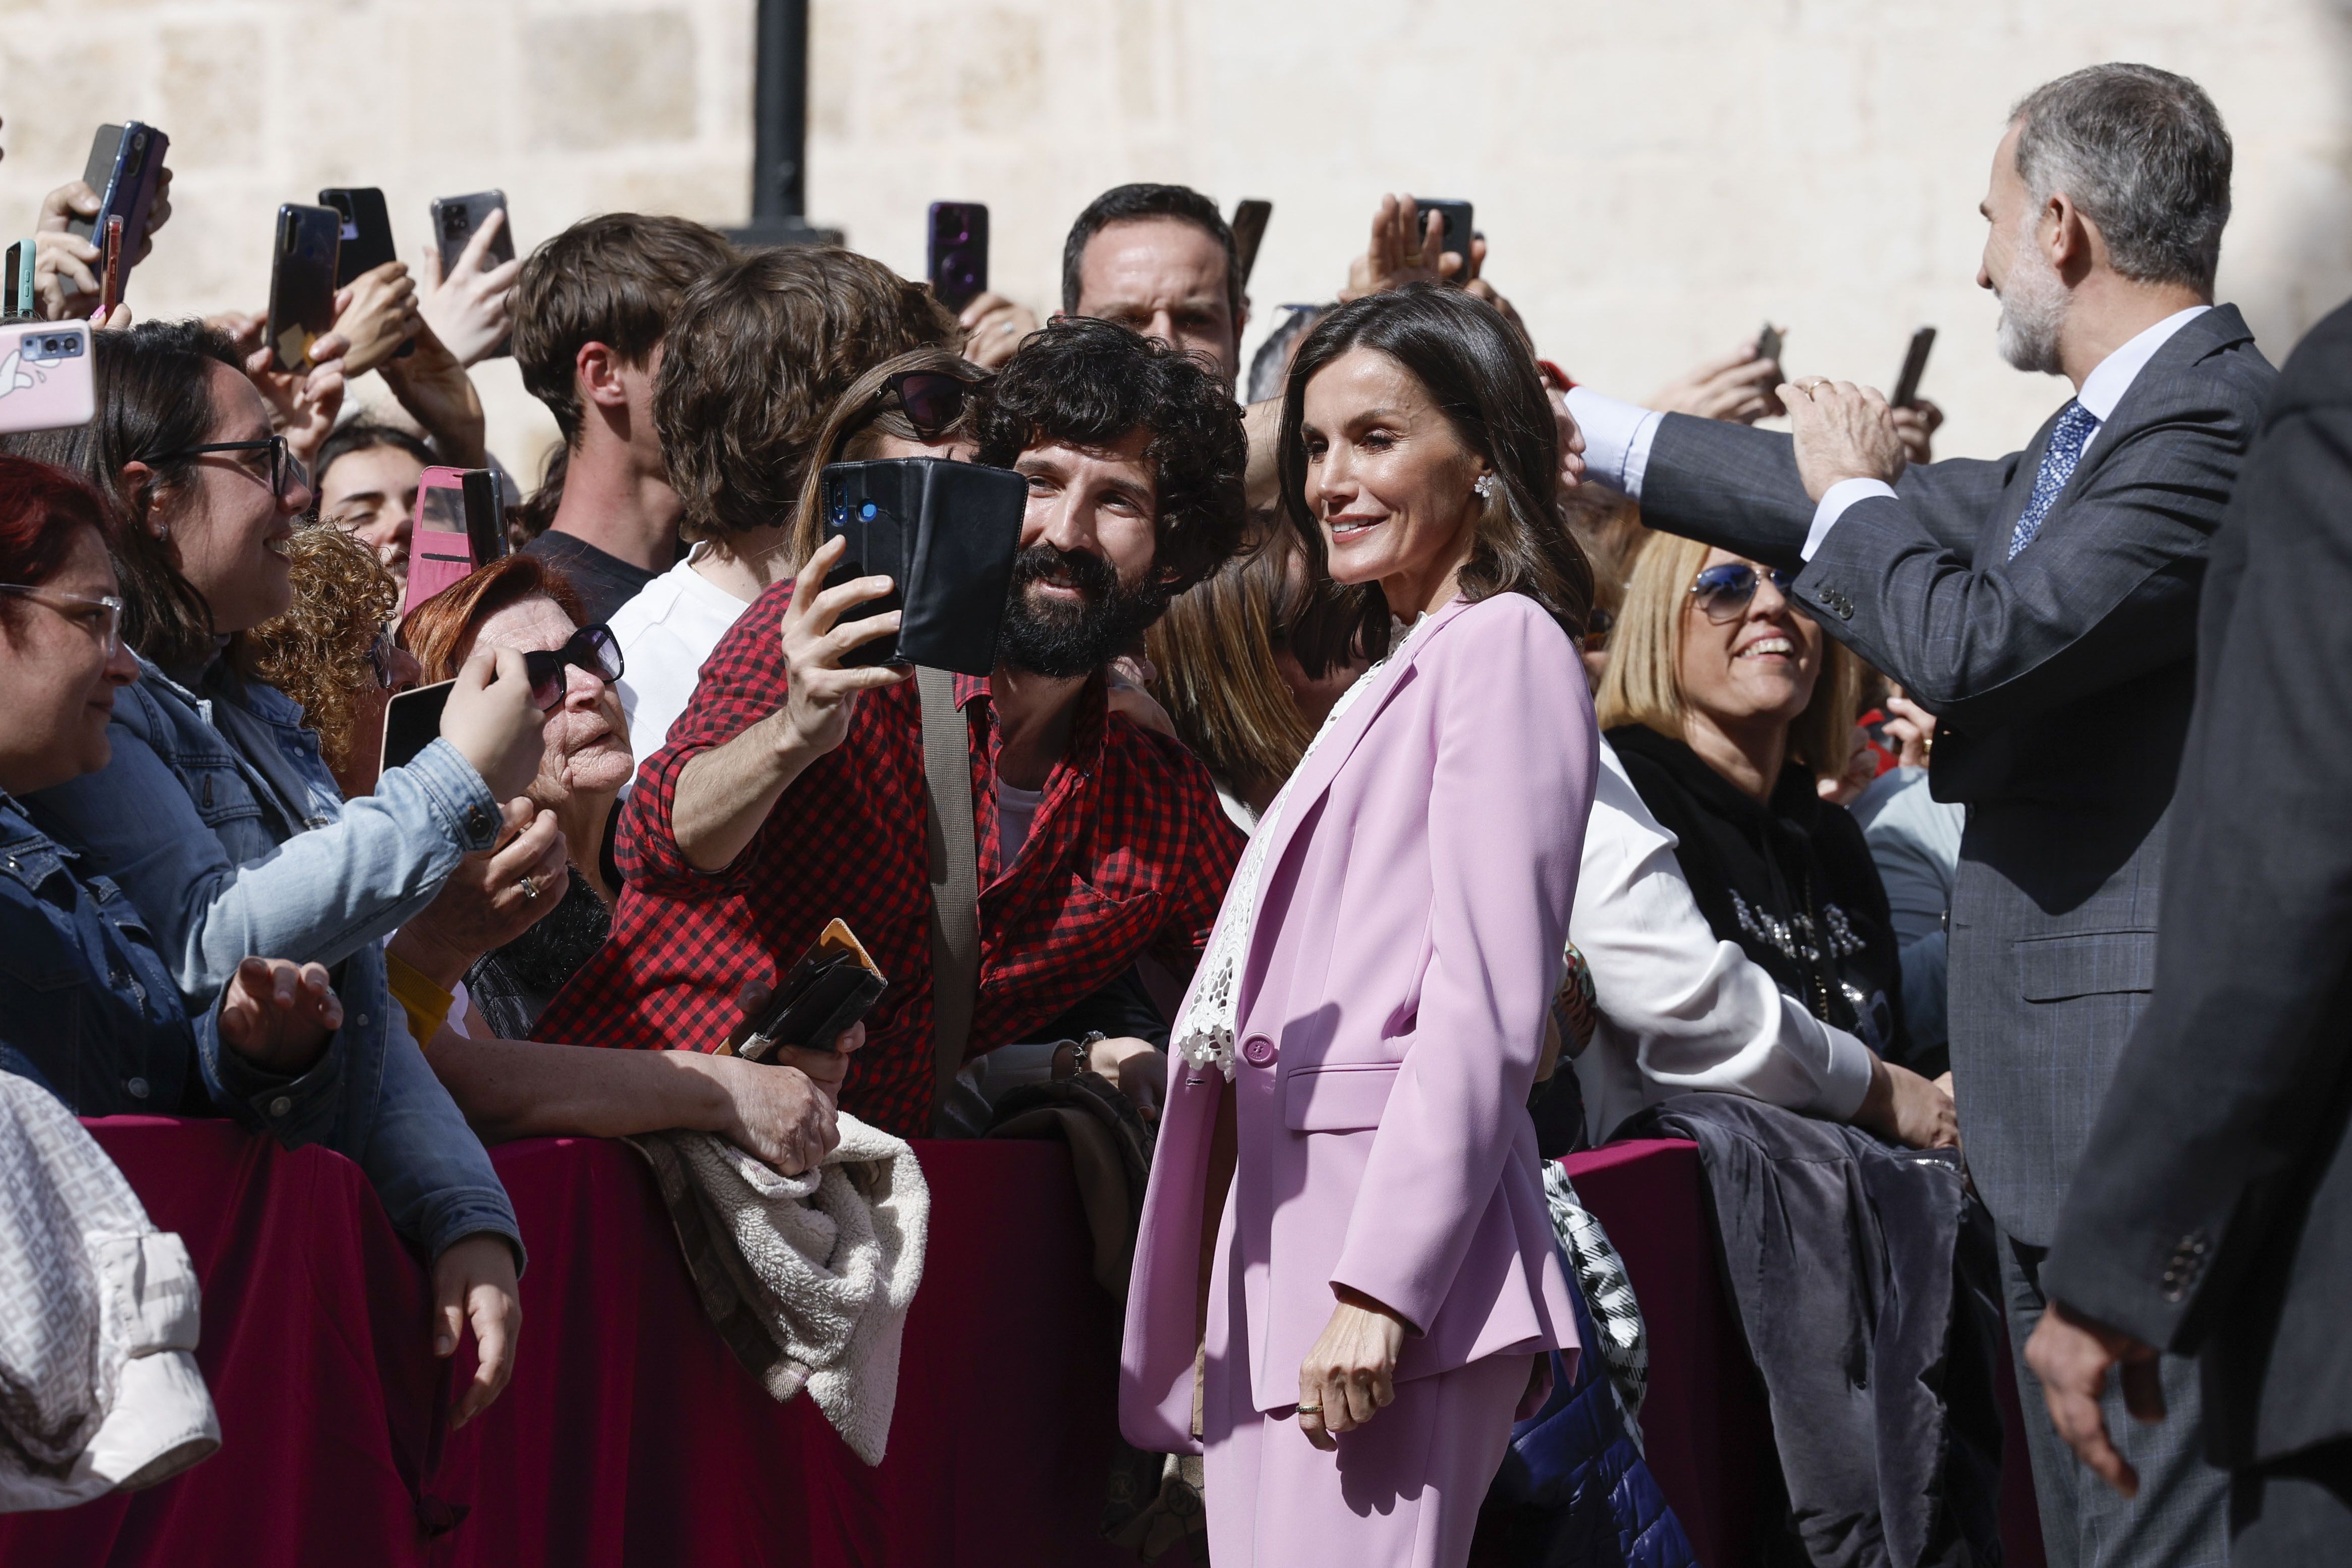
(530, 885)
(1310, 1409)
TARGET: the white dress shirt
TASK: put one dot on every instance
(1680, 1009)
(1617, 435)
(665, 633)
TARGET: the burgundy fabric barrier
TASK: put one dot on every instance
(1705, 1423)
(629, 1434)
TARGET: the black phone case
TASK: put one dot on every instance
(302, 277)
(958, 252)
(827, 991)
(1457, 224)
(1915, 366)
(412, 721)
(367, 233)
(946, 535)
(485, 525)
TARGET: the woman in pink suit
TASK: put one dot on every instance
(1346, 1113)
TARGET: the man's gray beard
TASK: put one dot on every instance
(2033, 312)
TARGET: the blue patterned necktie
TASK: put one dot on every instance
(2075, 424)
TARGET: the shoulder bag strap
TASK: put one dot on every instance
(954, 873)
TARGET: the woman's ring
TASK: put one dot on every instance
(1809, 387)
(530, 885)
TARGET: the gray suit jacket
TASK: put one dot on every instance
(2063, 680)
(2213, 1211)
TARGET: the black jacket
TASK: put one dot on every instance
(2212, 1212)
(1791, 882)
(1866, 1287)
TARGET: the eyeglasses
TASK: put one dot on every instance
(932, 400)
(591, 648)
(1725, 592)
(101, 617)
(285, 470)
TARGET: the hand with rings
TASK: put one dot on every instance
(1842, 432)
(1349, 1376)
(493, 897)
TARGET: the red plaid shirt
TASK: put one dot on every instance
(1129, 854)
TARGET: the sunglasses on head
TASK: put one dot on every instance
(1726, 590)
(591, 648)
(932, 400)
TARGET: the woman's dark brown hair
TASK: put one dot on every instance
(756, 355)
(441, 630)
(1475, 367)
(154, 394)
(855, 427)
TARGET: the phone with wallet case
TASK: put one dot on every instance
(945, 534)
(459, 527)
(834, 984)
(46, 376)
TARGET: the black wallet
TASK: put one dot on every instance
(945, 534)
(832, 985)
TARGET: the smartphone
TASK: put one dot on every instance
(459, 525)
(455, 221)
(945, 534)
(303, 282)
(1914, 365)
(1456, 239)
(17, 300)
(958, 252)
(126, 166)
(366, 231)
(1249, 229)
(412, 721)
(46, 382)
(1768, 343)
(834, 984)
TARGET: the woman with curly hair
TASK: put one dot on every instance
(330, 651)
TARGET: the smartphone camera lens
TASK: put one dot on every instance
(453, 222)
(866, 512)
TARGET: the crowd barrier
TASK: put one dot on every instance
(629, 1435)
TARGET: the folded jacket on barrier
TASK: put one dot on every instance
(1865, 1283)
(98, 1388)
(807, 1278)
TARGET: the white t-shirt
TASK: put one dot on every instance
(1015, 809)
(665, 633)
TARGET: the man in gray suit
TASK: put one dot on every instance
(2044, 606)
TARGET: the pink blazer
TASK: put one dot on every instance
(1410, 930)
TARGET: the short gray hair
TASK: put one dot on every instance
(2143, 153)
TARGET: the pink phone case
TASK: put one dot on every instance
(45, 376)
(438, 550)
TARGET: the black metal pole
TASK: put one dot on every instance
(780, 131)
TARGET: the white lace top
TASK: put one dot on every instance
(1204, 1034)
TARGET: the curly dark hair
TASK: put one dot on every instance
(1476, 367)
(1090, 383)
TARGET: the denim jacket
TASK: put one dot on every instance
(88, 1009)
(202, 836)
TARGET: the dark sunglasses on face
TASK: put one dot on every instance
(591, 648)
(1726, 590)
(285, 471)
(932, 400)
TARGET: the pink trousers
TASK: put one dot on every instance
(1401, 1491)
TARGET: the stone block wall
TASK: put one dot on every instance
(1656, 180)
